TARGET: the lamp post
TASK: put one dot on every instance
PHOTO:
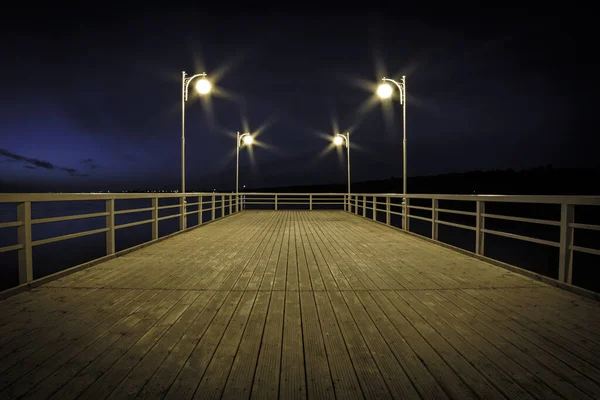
(385, 91)
(247, 139)
(203, 87)
(338, 140)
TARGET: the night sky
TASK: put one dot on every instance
(92, 100)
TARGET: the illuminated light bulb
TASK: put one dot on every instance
(384, 91)
(203, 86)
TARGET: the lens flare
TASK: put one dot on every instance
(203, 86)
(384, 91)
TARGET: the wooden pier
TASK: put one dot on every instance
(298, 304)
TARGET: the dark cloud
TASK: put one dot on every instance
(89, 163)
(33, 163)
(38, 163)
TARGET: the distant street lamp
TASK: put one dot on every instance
(203, 87)
(385, 91)
(247, 139)
(338, 140)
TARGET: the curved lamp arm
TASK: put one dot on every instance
(346, 137)
(401, 86)
(186, 83)
(241, 137)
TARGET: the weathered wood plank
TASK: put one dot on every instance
(533, 361)
(292, 381)
(81, 371)
(159, 383)
(268, 367)
(239, 381)
(319, 384)
(343, 374)
(215, 378)
(187, 380)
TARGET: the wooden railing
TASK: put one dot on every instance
(219, 205)
(286, 201)
(435, 210)
(439, 207)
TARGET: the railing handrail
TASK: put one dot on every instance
(546, 199)
(36, 197)
(506, 198)
(292, 194)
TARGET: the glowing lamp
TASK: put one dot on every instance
(384, 91)
(203, 86)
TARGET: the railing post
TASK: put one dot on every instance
(346, 203)
(356, 205)
(182, 213)
(213, 210)
(200, 210)
(310, 202)
(275, 202)
(374, 208)
(110, 225)
(434, 219)
(479, 228)
(222, 205)
(155, 218)
(565, 273)
(365, 206)
(406, 214)
(24, 236)
(230, 204)
(387, 210)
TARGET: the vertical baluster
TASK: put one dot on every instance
(434, 219)
(213, 209)
(566, 217)
(387, 210)
(155, 218)
(406, 212)
(374, 208)
(25, 253)
(110, 225)
(479, 228)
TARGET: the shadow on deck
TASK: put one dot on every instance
(294, 304)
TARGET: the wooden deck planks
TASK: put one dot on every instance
(298, 304)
